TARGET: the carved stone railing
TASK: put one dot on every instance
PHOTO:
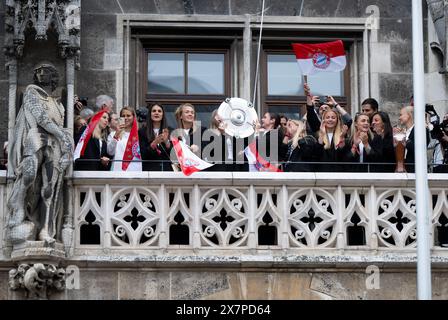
(147, 214)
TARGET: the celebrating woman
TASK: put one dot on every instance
(331, 137)
(363, 146)
(91, 150)
(188, 129)
(123, 144)
(155, 145)
(300, 148)
(382, 127)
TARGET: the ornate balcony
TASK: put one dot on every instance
(260, 218)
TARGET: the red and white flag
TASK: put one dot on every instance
(87, 134)
(189, 162)
(132, 150)
(254, 158)
(320, 57)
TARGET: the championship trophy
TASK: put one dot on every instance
(239, 117)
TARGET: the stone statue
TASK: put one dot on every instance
(40, 153)
(439, 14)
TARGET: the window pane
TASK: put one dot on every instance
(285, 78)
(166, 73)
(291, 112)
(327, 83)
(205, 73)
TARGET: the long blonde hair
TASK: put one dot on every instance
(178, 115)
(101, 134)
(300, 133)
(337, 130)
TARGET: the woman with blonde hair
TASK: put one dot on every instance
(331, 138)
(91, 150)
(188, 130)
(124, 145)
(363, 146)
(300, 148)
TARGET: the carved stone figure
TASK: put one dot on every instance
(37, 279)
(40, 153)
(439, 14)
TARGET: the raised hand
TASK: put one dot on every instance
(344, 131)
(331, 101)
(364, 138)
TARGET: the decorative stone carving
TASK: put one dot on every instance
(61, 16)
(41, 151)
(37, 279)
(439, 14)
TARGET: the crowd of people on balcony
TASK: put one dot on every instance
(326, 139)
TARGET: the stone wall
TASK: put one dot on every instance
(184, 284)
(3, 84)
(391, 51)
(391, 67)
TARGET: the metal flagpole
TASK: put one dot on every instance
(421, 178)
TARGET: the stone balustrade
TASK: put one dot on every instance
(266, 217)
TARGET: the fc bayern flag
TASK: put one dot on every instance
(320, 57)
(189, 162)
(254, 158)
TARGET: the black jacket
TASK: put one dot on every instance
(298, 157)
(90, 161)
(410, 150)
(216, 150)
(375, 155)
(154, 159)
(388, 161)
(330, 158)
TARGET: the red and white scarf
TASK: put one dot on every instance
(87, 134)
(132, 147)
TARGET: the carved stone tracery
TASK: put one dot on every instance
(60, 16)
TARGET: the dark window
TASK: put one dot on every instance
(199, 76)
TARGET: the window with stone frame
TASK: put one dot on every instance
(282, 82)
(179, 74)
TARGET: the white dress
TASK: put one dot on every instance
(116, 149)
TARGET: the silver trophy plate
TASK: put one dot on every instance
(238, 116)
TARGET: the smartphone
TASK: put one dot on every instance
(120, 120)
(323, 100)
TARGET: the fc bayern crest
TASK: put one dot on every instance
(321, 60)
(188, 162)
(136, 150)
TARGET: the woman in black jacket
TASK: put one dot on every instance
(91, 151)
(155, 145)
(300, 148)
(382, 127)
(331, 138)
(363, 147)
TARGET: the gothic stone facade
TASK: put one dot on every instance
(380, 66)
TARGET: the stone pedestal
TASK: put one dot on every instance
(38, 250)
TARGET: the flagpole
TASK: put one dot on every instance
(421, 178)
